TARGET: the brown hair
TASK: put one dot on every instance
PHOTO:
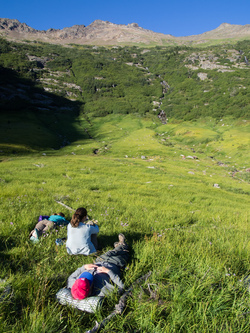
(61, 214)
(80, 213)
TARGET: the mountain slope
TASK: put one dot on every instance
(107, 33)
(225, 30)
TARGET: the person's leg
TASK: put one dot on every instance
(118, 256)
(31, 233)
(48, 225)
(44, 225)
(40, 227)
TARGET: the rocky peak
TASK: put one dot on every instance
(106, 33)
(133, 25)
(224, 25)
(100, 23)
(14, 25)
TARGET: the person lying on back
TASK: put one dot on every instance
(100, 278)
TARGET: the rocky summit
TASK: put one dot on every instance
(107, 33)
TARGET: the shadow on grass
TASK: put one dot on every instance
(15, 261)
(6, 243)
(12, 264)
(109, 240)
(34, 118)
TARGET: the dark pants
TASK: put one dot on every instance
(118, 256)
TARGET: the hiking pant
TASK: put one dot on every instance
(118, 256)
(44, 225)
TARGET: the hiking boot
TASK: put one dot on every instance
(121, 238)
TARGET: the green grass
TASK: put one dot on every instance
(193, 236)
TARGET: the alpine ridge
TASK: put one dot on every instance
(107, 33)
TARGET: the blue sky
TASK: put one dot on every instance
(178, 18)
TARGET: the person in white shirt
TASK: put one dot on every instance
(79, 234)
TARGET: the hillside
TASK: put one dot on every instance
(53, 86)
(107, 33)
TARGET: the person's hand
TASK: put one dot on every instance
(102, 269)
(89, 267)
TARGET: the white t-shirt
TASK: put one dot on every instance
(79, 239)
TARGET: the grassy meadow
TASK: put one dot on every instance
(180, 194)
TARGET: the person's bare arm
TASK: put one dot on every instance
(102, 269)
(89, 267)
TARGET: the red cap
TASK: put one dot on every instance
(80, 288)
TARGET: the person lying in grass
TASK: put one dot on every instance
(81, 234)
(100, 278)
(46, 224)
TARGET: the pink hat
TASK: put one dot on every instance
(80, 288)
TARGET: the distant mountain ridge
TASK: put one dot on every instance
(107, 33)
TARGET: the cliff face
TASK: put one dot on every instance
(107, 33)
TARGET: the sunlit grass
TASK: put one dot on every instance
(193, 236)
